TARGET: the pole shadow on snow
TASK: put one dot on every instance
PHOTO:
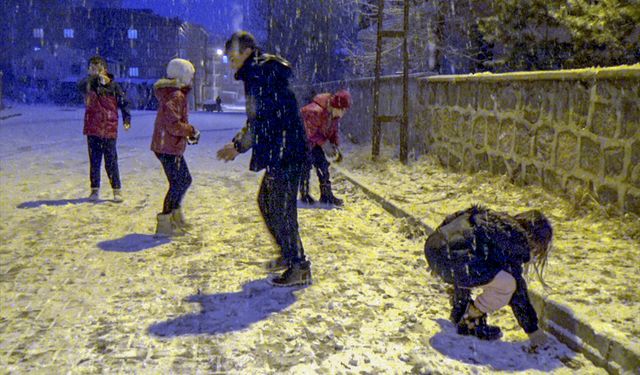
(499, 355)
(58, 202)
(228, 312)
(316, 206)
(133, 242)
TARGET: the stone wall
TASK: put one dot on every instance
(573, 131)
(570, 131)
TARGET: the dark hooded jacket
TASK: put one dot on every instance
(102, 102)
(274, 128)
(471, 246)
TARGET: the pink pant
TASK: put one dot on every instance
(497, 293)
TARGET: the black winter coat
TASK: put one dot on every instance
(471, 246)
(274, 128)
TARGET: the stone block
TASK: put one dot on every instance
(575, 185)
(430, 94)
(562, 111)
(532, 175)
(497, 164)
(441, 94)
(482, 161)
(580, 102)
(523, 138)
(630, 118)
(551, 180)
(590, 155)
(531, 114)
(513, 170)
(506, 135)
(467, 96)
(479, 132)
(544, 143)
(469, 161)
(632, 202)
(452, 94)
(613, 161)
(607, 194)
(567, 151)
(506, 98)
(486, 97)
(603, 120)
(606, 90)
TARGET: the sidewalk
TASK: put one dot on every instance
(593, 305)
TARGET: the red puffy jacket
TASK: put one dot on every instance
(172, 126)
(102, 102)
(318, 124)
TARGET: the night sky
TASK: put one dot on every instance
(219, 17)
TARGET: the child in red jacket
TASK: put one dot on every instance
(103, 96)
(171, 133)
(321, 121)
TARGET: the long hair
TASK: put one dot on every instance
(540, 235)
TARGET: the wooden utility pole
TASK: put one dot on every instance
(402, 119)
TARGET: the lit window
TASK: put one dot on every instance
(68, 33)
(133, 72)
(133, 34)
(38, 33)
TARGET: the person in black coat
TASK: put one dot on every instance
(276, 135)
(479, 247)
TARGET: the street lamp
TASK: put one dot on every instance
(215, 87)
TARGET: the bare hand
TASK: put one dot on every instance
(227, 153)
(537, 340)
(127, 125)
(329, 149)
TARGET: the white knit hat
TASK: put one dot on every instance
(181, 69)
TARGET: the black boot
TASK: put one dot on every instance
(327, 197)
(305, 197)
(479, 328)
(277, 264)
(296, 274)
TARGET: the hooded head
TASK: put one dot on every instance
(181, 70)
(341, 100)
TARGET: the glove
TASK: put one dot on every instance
(537, 340)
(338, 157)
(329, 149)
(228, 152)
(195, 138)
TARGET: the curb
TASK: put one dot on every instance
(555, 318)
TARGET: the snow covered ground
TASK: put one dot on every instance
(85, 287)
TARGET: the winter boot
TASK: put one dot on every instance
(165, 226)
(177, 216)
(476, 325)
(327, 197)
(117, 195)
(278, 264)
(296, 274)
(305, 197)
(95, 195)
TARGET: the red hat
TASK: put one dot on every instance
(341, 99)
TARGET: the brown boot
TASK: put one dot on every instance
(165, 226)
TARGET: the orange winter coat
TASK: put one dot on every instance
(172, 126)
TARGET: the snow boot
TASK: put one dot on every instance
(305, 197)
(95, 195)
(296, 274)
(327, 197)
(473, 325)
(165, 226)
(177, 216)
(117, 195)
(278, 264)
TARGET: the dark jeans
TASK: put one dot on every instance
(277, 200)
(99, 147)
(175, 167)
(316, 158)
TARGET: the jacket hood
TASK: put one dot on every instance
(165, 86)
(322, 100)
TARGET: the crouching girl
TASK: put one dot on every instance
(482, 248)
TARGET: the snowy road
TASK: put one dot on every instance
(85, 288)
